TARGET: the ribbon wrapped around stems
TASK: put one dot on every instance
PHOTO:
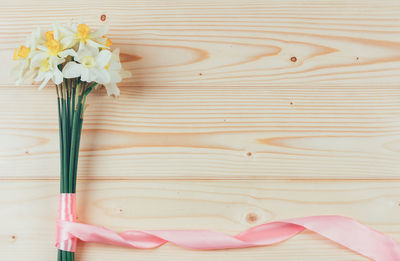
(342, 230)
(66, 212)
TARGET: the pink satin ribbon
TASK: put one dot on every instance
(342, 230)
(66, 213)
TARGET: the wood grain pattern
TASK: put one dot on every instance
(214, 82)
(238, 112)
(226, 206)
(212, 133)
(181, 43)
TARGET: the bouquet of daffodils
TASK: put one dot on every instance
(77, 59)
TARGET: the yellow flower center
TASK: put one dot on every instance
(53, 46)
(45, 65)
(83, 32)
(88, 61)
(49, 35)
(23, 52)
(107, 66)
(15, 57)
(108, 42)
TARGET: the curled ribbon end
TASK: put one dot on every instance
(342, 230)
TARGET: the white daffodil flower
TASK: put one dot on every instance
(79, 35)
(47, 58)
(116, 73)
(80, 51)
(21, 55)
(35, 39)
(22, 70)
(89, 65)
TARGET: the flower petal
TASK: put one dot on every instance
(115, 54)
(68, 41)
(103, 58)
(115, 66)
(72, 70)
(67, 52)
(99, 32)
(112, 89)
(37, 58)
(45, 81)
(17, 72)
(55, 31)
(57, 76)
(81, 46)
(102, 76)
(94, 44)
(84, 74)
(34, 39)
(42, 48)
(115, 76)
(54, 61)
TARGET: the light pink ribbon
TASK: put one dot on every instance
(342, 230)
(66, 213)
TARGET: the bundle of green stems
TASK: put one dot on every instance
(71, 98)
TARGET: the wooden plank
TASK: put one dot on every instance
(251, 43)
(249, 111)
(212, 132)
(227, 206)
(215, 93)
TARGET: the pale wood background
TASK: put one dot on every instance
(217, 129)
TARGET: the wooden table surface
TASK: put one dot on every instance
(238, 113)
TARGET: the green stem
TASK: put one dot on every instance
(75, 132)
(61, 139)
(65, 152)
(73, 93)
(80, 113)
(71, 100)
(78, 139)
